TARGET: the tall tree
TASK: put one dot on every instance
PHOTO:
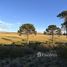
(27, 29)
(63, 14)
(51, 30)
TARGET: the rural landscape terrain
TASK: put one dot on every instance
(13, 37)
(33, 33)
(40, 51)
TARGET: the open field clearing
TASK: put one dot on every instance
(8, 38)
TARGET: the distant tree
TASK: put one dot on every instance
(27, 29)
(51, 30)
(44, 32)
(64, 33)
(58, 31)
(63, 14)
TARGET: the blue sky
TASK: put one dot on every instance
(41, 13)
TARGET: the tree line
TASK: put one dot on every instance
(51, 30)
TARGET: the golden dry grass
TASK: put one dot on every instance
(8, 38)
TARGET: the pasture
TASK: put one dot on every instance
(8, 38)
(26, 55)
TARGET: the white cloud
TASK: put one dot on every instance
(9, 27)
(1, 30)
(6, 23)
(5, 26)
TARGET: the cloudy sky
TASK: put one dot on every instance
(41, 13)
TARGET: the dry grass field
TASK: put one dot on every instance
(8, 38)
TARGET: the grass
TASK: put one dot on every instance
(8, 38)
(26, 54)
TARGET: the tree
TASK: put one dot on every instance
(51, 30)
(27, 29)
(58, 31)
(63, 14)
(44, 32)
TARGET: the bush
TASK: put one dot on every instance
(62, 51)
(29, 49)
